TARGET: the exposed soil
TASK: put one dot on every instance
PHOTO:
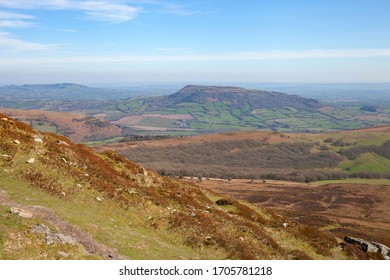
(90, 245)
(355, 209)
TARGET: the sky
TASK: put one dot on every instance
(119, 41)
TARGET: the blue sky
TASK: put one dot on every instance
(121, 41)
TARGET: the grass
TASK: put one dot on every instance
(354, 181)
(127, 230)
(369, 162)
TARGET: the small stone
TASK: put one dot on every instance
(60, 142)
(64, 160)
(99, 199)
(4, 119)
(31, 160)
(63, 254)
(37, 139)
(16, 141)
(21, 212)
(78, 185)
(285, 225)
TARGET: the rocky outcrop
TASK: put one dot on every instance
(21, 212)
(51, 237)
(369, 246)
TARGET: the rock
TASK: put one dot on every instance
(4, 119)
(366, 246)
(21, 212)
(31, 160)
(6, 156)
(60, 142)
(63, 254)
(37, 139)
(223, 202)
(99, 199)
(370, 246)
(64, 160)
(285, 225)
(51, 237)
(79, 186)
(16, 141)
(208, 239)
(384, 250)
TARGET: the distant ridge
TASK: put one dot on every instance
(239, 97)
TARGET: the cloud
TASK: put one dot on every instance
(15, 44)
(242, 56)
(109, 12)
(99, 10)
(11, 20)
(178, 10)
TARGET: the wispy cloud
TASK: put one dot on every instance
(179, 10)
(16, 44)
(242, 56)
(12, 20)
(100, 10)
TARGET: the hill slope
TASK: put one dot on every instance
(267, 155)
(75, 126)
(205, 109)
(59, 200)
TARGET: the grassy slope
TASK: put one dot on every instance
(354, 181)
(142, 215)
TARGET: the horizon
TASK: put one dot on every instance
(164, 42)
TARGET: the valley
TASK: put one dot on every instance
(208, 172)
(194, 109)
(267, 155)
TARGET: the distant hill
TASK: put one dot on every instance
(62, 91)
(196, 109)
(199, 109)
(238, 97)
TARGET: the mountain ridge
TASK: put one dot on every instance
(237, 96)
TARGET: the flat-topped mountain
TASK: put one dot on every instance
(241, 97)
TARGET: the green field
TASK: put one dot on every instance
(369, 162)
(218, 117)
(354, 181)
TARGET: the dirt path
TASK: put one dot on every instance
(90, 245)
